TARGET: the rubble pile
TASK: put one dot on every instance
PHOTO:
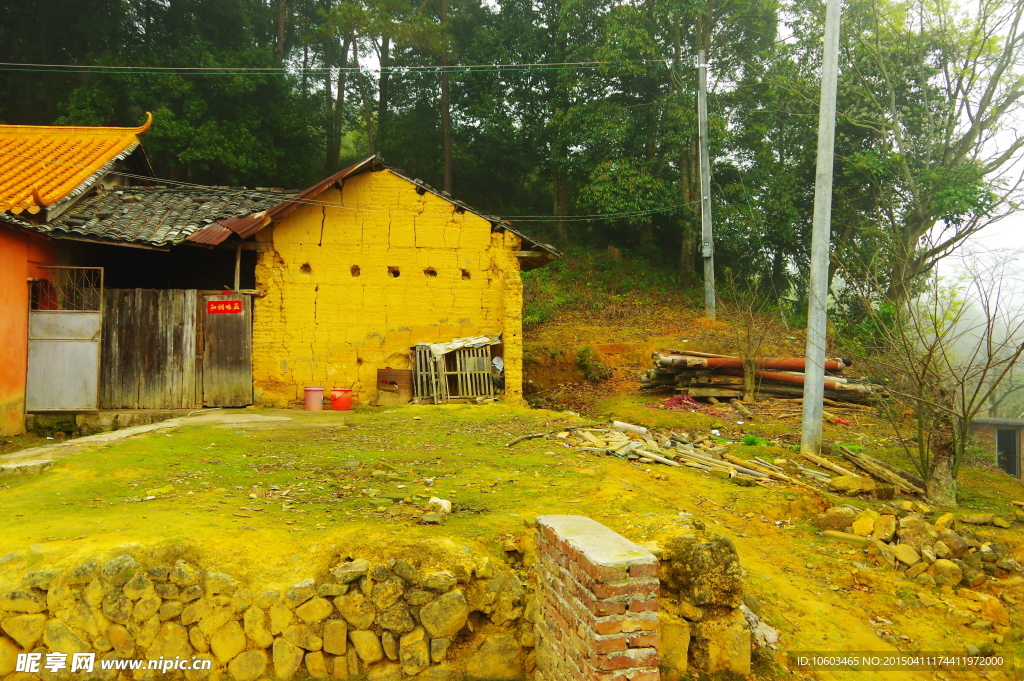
(947, 552)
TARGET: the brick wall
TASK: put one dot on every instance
(599, 604)
(985, 437)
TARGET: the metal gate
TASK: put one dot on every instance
(226, 349)
(64, 330)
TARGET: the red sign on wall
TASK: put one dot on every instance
(222, 306)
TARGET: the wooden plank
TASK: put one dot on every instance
(709, 392)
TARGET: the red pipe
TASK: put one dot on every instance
(781, 363)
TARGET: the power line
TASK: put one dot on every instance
(335, 204)
(285, 71)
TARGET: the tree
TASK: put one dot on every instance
(943, 354)
(935, 88)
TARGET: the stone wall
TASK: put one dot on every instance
(599, 603)
(377, 619)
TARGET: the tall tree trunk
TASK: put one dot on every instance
(305, 67)
(940, 485)
(559, 150)
(382, 95)
(688, 245)
(280, 28)
(446, 117)
(367, 115)
(560, 194)
(339, 105)
(333, 138)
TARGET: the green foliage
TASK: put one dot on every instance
(590, 364)
(611, 144)
(586, 279)
(754, 441)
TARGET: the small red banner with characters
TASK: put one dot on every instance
(222, 306)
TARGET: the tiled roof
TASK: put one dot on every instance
(155, 216)
(43, 165)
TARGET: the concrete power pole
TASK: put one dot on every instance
(707, 245)
(817, 289)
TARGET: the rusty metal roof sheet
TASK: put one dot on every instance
(248, 226)
(157, 217)
(43, 166)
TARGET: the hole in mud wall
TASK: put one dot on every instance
(394, 272)
(465, 274)
(355, 270)
(306, 269)
(430, 272)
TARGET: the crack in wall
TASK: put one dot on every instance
(323, 221)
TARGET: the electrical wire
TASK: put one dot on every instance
(279, 71)
(335, 204)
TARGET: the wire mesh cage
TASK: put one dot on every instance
(69, 288)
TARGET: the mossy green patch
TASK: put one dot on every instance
(641, 410)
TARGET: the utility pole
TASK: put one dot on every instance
(821, 232)
(707, 245)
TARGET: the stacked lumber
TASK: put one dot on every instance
(721, 376)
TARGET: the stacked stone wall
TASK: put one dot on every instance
(379, 619)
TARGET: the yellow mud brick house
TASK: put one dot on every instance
(355, 270)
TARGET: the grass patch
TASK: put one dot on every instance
(590, 364)
(588, 280)
(638, 409)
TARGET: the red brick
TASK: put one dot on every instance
(643, 570)
(612, 644)
(602, 573)
(609, 662)
(648, 640)
(610, 626)
(601, 609)
(644, 606)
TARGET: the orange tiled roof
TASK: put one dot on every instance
(40, 165)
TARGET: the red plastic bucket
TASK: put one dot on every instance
(341, 399)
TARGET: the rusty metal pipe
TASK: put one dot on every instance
(783, 363)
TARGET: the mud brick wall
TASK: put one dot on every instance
(599, 604)
(348, 283)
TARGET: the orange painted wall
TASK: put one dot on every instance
(21, 254)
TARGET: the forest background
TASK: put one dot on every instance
(574, 119)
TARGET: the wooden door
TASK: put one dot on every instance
(226, 349)
(149, 350)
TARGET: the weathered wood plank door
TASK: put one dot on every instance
(226, 349)
(149, 350)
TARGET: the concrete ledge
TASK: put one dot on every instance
(599, 544)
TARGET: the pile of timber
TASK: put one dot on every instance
(711, 455)
(705, 375)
